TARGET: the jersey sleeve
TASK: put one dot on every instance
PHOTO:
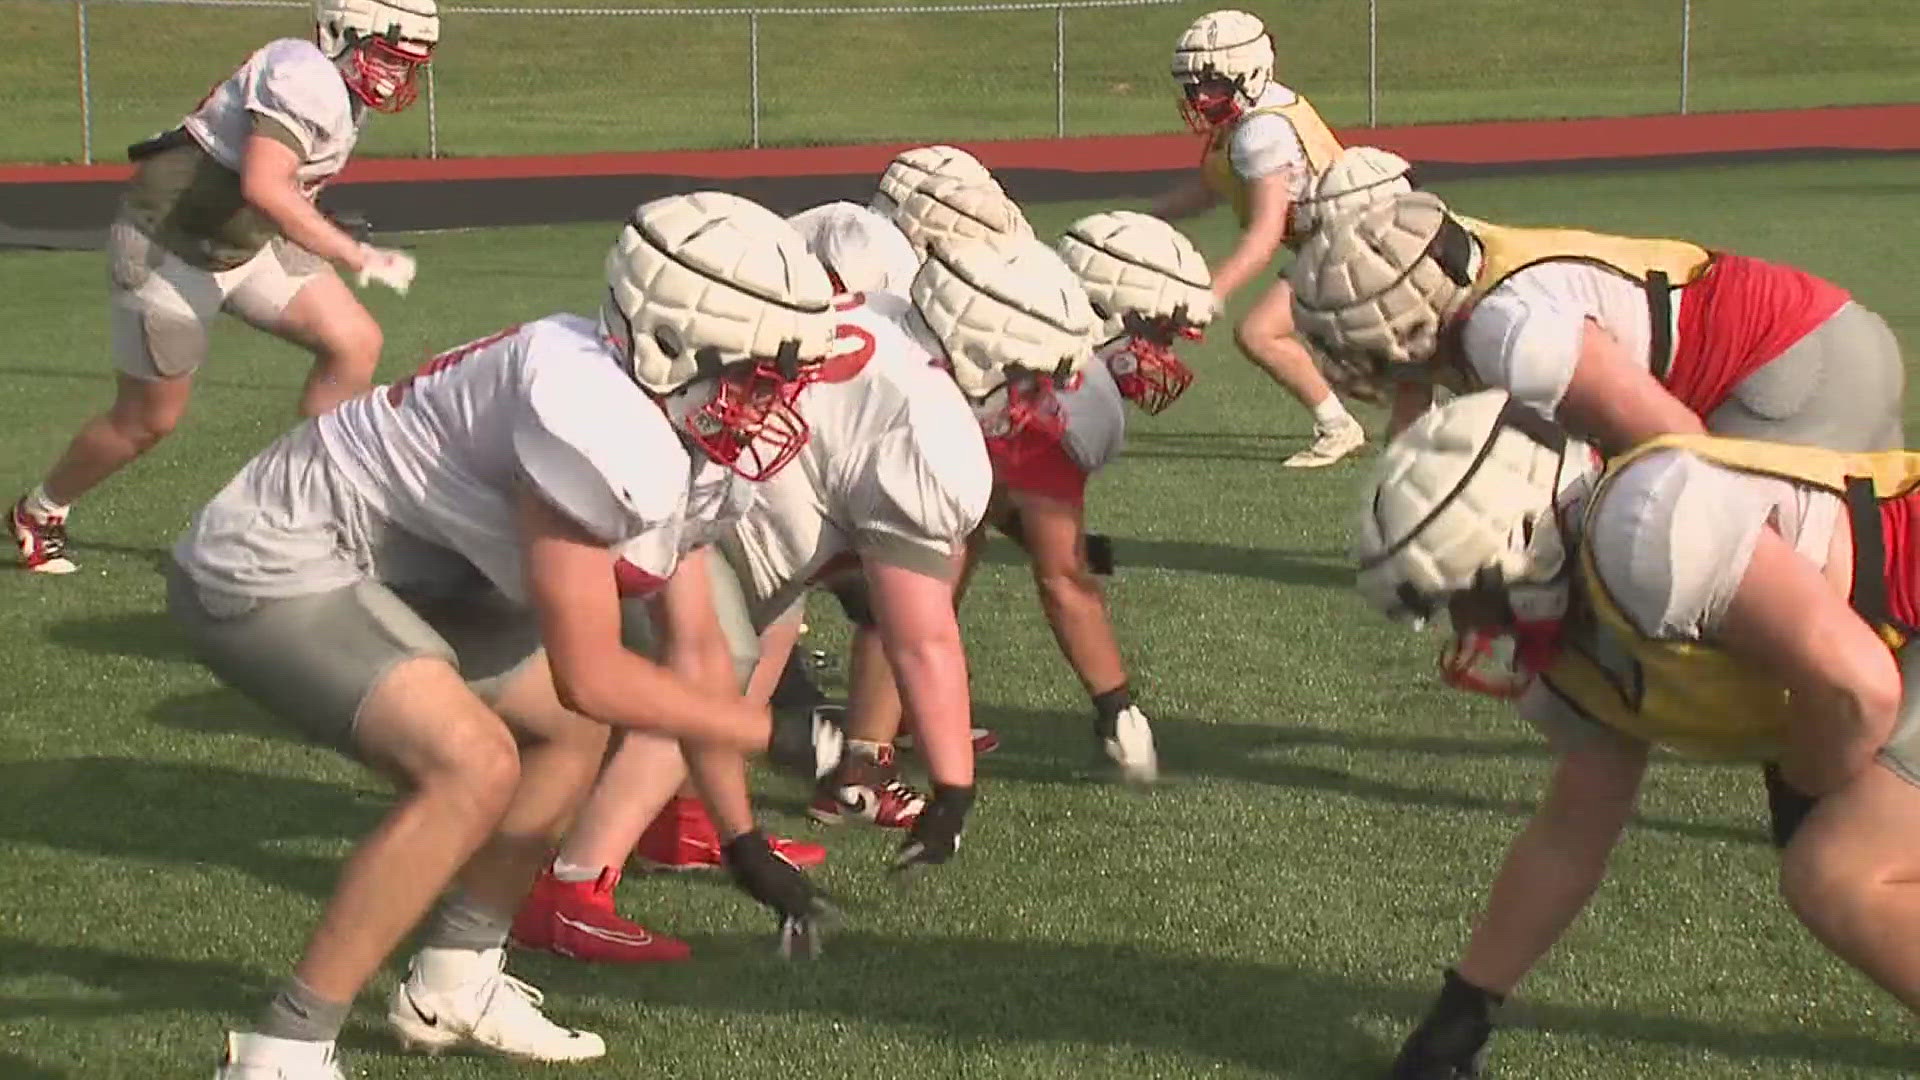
(916, 500)
(297, 96)
(1264, 145)
(1526, 345)
(589, 449)
(1672, 539)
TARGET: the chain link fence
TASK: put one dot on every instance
(548, 79)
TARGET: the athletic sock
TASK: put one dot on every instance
(461, 923)
(297, 1013)
(1330, 411)
(566, 871)
(39, 505)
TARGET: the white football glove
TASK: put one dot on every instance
(388, 267)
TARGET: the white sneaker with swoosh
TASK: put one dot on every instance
(452, 997)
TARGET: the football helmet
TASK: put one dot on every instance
(950, 209)
(1012, 324)
(1360, 177)
(390, 41)
(1467, 514)
(1223, 63)
(1150, 287)
(717, 309)
(911, 169)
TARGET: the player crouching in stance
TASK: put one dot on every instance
(220, 216)
(1265, 146)
(1619, 339)
(1149, 287)
(1718, 597)
(424, 578)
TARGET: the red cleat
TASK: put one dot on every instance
(866, 789)
(576, 919)
(42, 541)
(683, 838)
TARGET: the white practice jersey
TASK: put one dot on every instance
(1672, 538)
(1524, 335)
(863, 250)
(440, 456)
(1265, 144)
(293, 84)
(895, 469)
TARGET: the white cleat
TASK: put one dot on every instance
(1330, 443)
(452, 997)
(1130, 747)
(260, 1057)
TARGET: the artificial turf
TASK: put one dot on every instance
(1280, 905)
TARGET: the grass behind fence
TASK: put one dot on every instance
(532, 84)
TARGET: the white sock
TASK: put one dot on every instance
(566, 871)
(449, 969)
(1330, 411)
(40, 506)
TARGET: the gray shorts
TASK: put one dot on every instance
(313, 659)
(637, 631)
(1840, 387)
(1567, 728)
(160, 307)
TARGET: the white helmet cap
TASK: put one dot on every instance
(1374, 289)
(341, 23)
(912, 169)
(1464, 499)
(701, 281)
(1136, 264)
(1230, 45)
(996, 306)
(951, 209)
(864, 251)
(1360, 177)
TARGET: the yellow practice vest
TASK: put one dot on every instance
(1656, 266)
(1690, 696)
(1316, 139)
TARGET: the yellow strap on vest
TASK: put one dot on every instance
(1317, 141)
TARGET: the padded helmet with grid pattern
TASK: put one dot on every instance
(1229, 45)
(1375, 288)
(701, 281)
(1004, 305)
(951, 209)
(1134, 263)
(912, 169)
(1360, 177)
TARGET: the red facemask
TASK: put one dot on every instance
(750, 424)
(1210, 105)
(1470, 662)
(386, 74)
(1146, 369)
(1030, 419)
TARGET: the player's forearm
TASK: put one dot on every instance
(720, 776)
(625, 690)
(1191, 197)
(1249, 259)
(301, 222)
(932, 675)
(1077, 613)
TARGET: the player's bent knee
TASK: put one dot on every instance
(484, 767)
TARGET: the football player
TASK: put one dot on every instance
(950, 208)
(1719, 597)
(424, 578)
(893, 478)
(1265, 145)
(219, 216)
(1618, 339)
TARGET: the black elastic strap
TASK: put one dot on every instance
(1869, 553)
(1659, 290)
(159, 144)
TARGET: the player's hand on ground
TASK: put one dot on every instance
(1451, 1041)
(386, 266)
(768, 877)
(935, 836)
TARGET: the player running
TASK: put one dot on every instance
(1618, 339)
(1718, 597)
(1265, 145)
(387, 574)
(219, 216)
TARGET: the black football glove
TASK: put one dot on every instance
(768, 877)
(935, 836)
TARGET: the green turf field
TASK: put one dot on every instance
(1280, 906)
(523, 84)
